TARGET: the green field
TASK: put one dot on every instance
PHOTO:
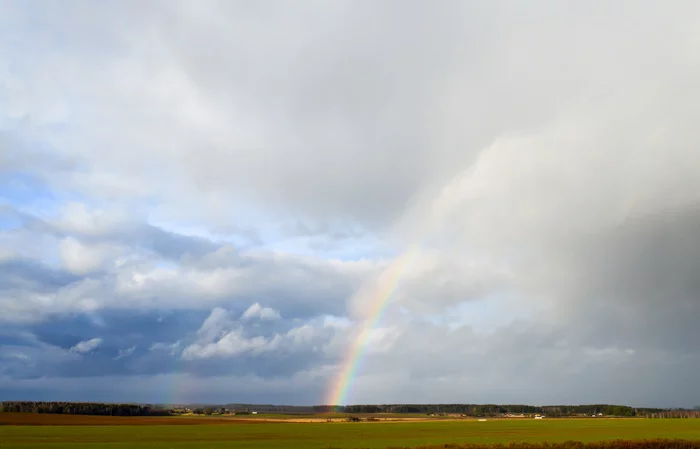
(342, 435)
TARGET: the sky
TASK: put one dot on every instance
(200, 201)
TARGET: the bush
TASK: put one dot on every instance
(614, 444)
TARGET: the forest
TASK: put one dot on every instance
(82, 408)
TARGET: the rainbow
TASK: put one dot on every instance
(387, 283)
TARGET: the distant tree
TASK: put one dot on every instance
(82, 408)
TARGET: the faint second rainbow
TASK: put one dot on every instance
(387, 283)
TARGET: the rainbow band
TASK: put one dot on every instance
(388, 282)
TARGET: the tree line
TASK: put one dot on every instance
(82, 408)
(472, 410)
(680, 414)
(498, 410)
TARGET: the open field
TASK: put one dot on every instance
(165, 432)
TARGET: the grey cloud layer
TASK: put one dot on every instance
(541, 156)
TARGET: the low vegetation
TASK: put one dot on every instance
(615, 444)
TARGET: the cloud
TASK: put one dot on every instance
(115, 271)
(24, 355)
(158, 388)
(263, 313)
(87, 346)
(232, 343)
(220, 336)
(78, 258)
(18, 273)
(125, 353)
(76, 218)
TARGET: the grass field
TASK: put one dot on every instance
(155, 433)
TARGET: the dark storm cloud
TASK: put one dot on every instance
(150, 343)
(32, 275)
(640, 282)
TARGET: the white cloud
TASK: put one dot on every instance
(263, 313)
(217, 323)
(77, 218)
(126, 352)
(221, 337)
(86, 346)
(230, 344)
(79, 258)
